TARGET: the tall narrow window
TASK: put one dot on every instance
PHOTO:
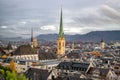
(63, 44)
(59, 43)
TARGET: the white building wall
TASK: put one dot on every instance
(26, 57)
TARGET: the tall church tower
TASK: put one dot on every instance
(34, 42)
(61, 38)
(31, 35)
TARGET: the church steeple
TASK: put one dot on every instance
(31, 34)
(34, 42)
(61, 39)
(61, 32)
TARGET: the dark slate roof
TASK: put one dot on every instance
(71, 78)
(74, 55)
(24, 50)
(76, 78)
(82, 65)
(37, 74)
(103, 72)
(71, 65)
(46, 55)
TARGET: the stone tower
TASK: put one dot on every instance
(102, 44)
(34, 42)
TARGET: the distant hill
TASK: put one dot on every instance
(92, 36)
(11, 39)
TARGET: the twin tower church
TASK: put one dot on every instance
(60, 40)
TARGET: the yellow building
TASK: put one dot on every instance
(102, 44)
(61, 39)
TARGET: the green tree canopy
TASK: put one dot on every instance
(8, 74)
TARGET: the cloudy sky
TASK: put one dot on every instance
(17, 17)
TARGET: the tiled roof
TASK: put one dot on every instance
(37, 74)
(24, 50)
(71, 65)
(76, 78)
(46, 55)
(71, 78)
(103, 72)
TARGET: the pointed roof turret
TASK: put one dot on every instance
(61, 32)
(9, 46)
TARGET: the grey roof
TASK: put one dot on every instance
(103, 72)
(82, 65)
(46, 55)
(37, 74)
(24, 50)
(71, 65)
(71, 78)
(76, 78)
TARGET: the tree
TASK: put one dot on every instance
(21, 77)
(4, 56)
(12, 65)
(9, 74)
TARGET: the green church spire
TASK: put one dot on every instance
(61, 32)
